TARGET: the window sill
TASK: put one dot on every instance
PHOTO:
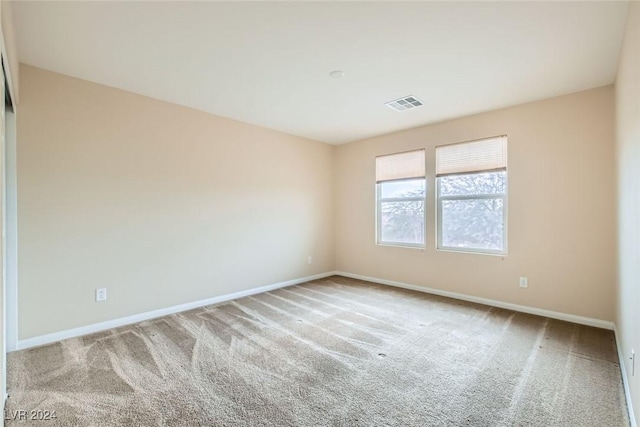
(472, 252)
(400, 245)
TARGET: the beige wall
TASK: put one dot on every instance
(561, 230)
(628, 156)
(158, 203)
(164, 205)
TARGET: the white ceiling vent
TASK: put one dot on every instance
(404, 103)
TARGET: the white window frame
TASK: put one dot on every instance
(503, 196)
(473, 157)
(380, 200)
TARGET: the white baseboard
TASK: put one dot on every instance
(97, 327)
(495, 303)
(625, 380)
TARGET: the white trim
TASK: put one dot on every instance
(625, 380)
(495, 303)
(11, 229)
(135, 318)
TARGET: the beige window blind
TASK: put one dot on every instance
(472, 157)
(400, 166)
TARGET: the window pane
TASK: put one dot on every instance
(473, 224)
(407, 188)
(477, 183)
(402, 222)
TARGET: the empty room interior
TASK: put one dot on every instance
(320, 213)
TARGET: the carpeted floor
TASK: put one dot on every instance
(333, 352)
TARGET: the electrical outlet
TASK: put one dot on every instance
(101, 294)
(524, 282)
(309, 260)
(633, 362)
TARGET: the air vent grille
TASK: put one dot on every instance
(404, 103)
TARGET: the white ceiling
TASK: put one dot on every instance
(268, 63)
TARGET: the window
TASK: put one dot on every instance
(400, 197)
(472, 196)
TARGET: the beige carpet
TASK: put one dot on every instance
(333, 352)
